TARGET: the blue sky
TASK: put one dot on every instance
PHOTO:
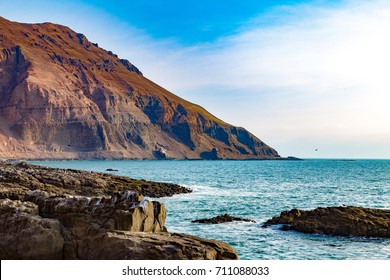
(188, 22)
(301, 75)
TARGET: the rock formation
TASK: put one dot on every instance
(62, 96)
(342, 221)
(43, 218)
(222, 219)
(26, 235)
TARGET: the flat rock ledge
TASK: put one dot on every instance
(336, 221)
(222, 219)
(79, 182)
(46, 214)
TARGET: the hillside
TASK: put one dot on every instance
(63, 97)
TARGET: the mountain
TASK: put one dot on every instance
(63, 97)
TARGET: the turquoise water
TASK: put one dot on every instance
(260, 190)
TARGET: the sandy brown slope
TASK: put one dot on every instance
(62, 96)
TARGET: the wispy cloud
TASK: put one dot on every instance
(321, 74)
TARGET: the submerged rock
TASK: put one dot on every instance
(112, 170)
(44, 216)
(222, 219)
(341, 221)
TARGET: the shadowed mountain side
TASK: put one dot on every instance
(62, 96)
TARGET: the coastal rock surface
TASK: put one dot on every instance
(43, 218)
(340, 221)
(24, 177)
(222, 219)
(155, 246)
(63, 97)
(26, 235)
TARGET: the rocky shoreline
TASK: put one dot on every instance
(79, 182)
(51, 213)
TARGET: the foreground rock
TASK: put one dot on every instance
(26, 235)
(49, 220)
(222, 219)
(155, 246)
(341, 221)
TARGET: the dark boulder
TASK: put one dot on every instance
(222, 219)
(112, 170)
(211, 155)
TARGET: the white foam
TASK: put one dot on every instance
(88, 200)
(127, 195)
(143, 203)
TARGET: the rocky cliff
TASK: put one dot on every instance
(48, 213)
(62, 96)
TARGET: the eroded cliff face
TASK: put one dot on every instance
(62, 96)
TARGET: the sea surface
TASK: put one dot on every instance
(260, 190)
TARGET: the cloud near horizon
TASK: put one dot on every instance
(299, 77)
(319, 77)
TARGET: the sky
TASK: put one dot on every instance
(310, 78)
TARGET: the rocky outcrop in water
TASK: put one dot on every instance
(43, 218)
(222, 219)
(63, 97)
(341, 221)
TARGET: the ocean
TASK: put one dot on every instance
(260, 190)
